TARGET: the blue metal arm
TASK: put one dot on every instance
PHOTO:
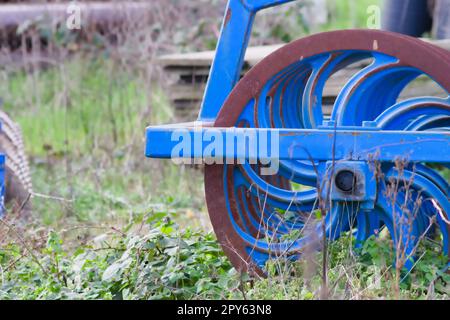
(297, 144)
(232, 45)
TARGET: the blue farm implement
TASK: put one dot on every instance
(274, 158)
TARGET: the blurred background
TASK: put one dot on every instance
(83, 79)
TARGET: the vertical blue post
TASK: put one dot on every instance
(2, 182)
(230, 53)
(2, 185)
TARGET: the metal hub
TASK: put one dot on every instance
(346, 181)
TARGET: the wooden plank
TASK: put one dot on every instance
(187, 70)
(252, 57)
(189, 73)
(186, 91)
(194, 91)
(187, 98)
(205, 58)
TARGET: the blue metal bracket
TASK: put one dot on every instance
(364, 189)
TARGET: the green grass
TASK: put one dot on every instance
(83, 125)
(152, 258)
(78, 107)
(351, 14)
(285, 24)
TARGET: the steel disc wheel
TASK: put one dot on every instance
(256, 216)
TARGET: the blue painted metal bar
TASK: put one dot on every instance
(2, 181)
(230, 52)
(297, 144)
(2, 184)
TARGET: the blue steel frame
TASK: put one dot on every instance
(336, 140)
(2, 181)
(2, 184)
(225, 73)
(300, 144)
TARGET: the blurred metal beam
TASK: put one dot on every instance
(13, 15)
